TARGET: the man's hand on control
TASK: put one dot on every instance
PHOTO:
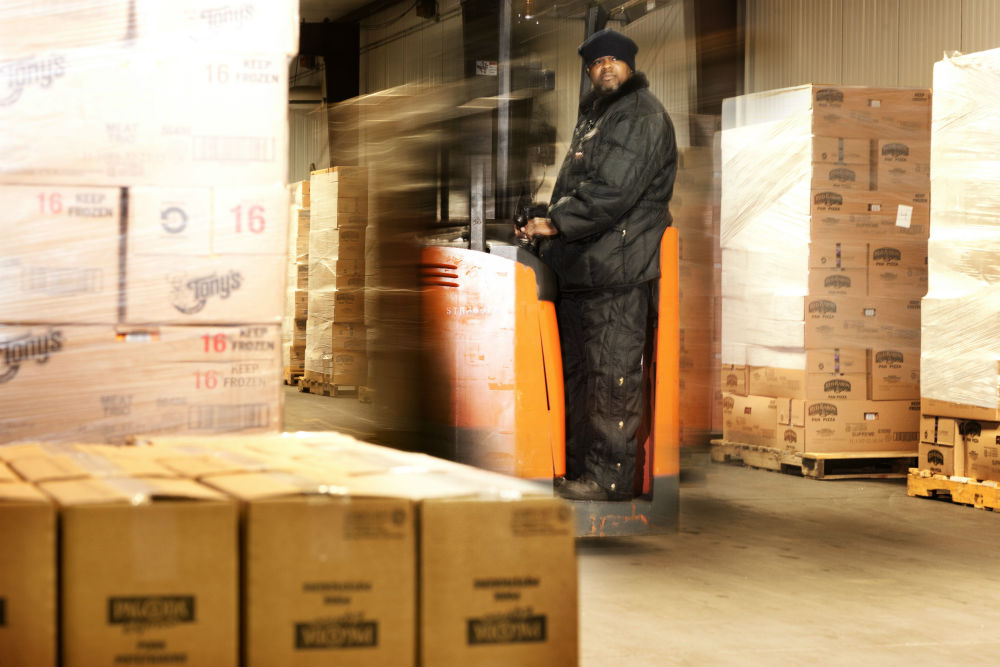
(537, 227)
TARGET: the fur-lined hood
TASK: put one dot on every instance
(636, 82)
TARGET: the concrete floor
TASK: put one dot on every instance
(772, 569)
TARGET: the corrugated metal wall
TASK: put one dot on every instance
(892, 43)
(415, 50)
(308, 141)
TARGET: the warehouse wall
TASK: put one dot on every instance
(892, 43)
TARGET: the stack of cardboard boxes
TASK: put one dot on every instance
(262, 550)
(824, 221)
(293, 325)
(692, 208)
(960, 390)
(336, 336)
(143, 217)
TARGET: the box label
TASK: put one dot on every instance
(16, 351)
(190, 295)
(514, 628)
(339, 633)
(159, 610)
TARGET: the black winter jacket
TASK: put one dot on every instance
(610, 198)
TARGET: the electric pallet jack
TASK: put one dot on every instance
(490, 333)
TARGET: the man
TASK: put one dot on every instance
(602, 238)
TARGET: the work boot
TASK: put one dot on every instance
(581, 489)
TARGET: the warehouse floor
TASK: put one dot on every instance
(773, 569)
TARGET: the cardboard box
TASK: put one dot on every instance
(939, 459)
(894, 373)
(498, 581)
(769, 381)
(337, 306)
(841, 176)
(846, 321)
(836, 387)
(855, 202)
(750, 420)
(206, 289)
(148, 572)
(939, 430)
(851, 426)
(959, 410)
(838, 282)
(870, 226)
(838, 150)
(837, 360)
(326, 273)
(898, 269)
(330, 579)
(734, 379)
(83, 464)
(904, 164)
(846, 253)
(59, 251)
(163, 118)
(28, 591)
(350, 367)
(208, 221)
(791, 432)
(352, 337)
(982, 449)
(184, 379)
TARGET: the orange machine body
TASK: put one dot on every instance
(495, 381)
(497, 376)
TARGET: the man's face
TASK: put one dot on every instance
(608, 74)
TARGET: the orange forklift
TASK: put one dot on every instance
(492, 367)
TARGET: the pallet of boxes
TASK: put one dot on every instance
(278, 549)
(143, 206)
(960, 427)
(336, 336)
(293, 325)
(824, 226)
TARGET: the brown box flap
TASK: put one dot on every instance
(127, 490)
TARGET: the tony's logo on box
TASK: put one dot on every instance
(347, 632)
(191, 294)
(728, 403)
(790, 436)
(16, 351)
(16, 75)
(935, 458)
(146, 610)
(518, 626)
(228, 16)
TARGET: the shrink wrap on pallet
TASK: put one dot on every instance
(961, 341)
(141, 205)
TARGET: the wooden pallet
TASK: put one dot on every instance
(312, 385)
(817, 465)
(292, 375)
(959, 490)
